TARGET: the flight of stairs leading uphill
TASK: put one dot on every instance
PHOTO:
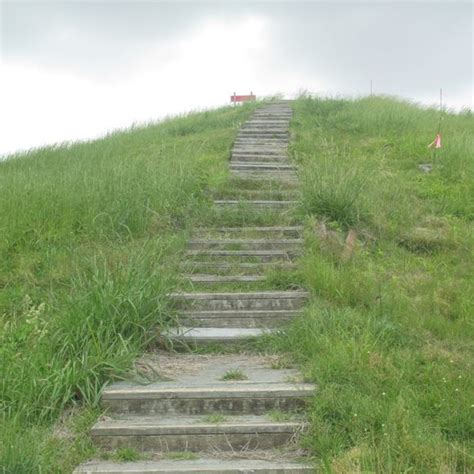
(228, 411)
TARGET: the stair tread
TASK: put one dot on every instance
(241, 295)
(215, 334)
(214, 389)
(196, 466)
(190, 424)
(256, 228)
(244, 201)
(245, 241)
(201, 372)
(204, 278)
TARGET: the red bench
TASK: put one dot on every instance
(242, 98)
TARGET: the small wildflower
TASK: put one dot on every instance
(355, 414)
(456, 390)
(383, 394)
(459, 376)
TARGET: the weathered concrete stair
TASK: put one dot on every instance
(197, 466)
(260, 166)
(238, 267)
(193, 433)
(216, 403)
(203, 336)
(245, 244)
(253, 255)
(259, 158)
(269, 205)
(272, 231)
(206, 392)
(260, 300)
(238, 319)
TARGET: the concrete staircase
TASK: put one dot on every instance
(219, 412)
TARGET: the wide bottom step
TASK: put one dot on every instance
(196, 466)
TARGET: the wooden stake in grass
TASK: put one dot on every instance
(349, 246)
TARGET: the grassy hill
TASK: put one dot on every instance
(89, 238)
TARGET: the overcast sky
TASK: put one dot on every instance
(75, 70)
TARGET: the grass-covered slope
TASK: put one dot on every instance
(389, 335)
(88, 236)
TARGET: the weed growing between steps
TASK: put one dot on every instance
(90, 234)
(388, 337)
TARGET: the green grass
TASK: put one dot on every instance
(90, 240)
(388, 335)
(234, 374)
(215, 419)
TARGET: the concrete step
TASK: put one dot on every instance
(258, 300)
(272, 114)
(196, 466)
(156, 433)
(219, 279)
(264, 131)
(226, 268)
(257, 204)
(260, 166)
(236, 319)
(281, 176)
(226, 397)
(283, 158)
(196, 384)
(287, 231)
(245, 244)
(257, 151)
(197, 337)
(254, 255)
(273, 121)
(260, 195)
(265, 135)
(275, 142)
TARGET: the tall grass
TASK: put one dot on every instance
(388, 337)
(89, 238)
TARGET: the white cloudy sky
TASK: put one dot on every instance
(74, 69)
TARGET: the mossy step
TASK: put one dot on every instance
(217, 279)
(258, 300)
(263, 132)
(245, 244)
(198, 337)
(257, 151)
(258, 167)
(237, 319)
(261, 158)
(253, 255)
(251, 175)
(234, 268)
(275, 142)
(287, 231)
(258, 194)
(255, 204)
